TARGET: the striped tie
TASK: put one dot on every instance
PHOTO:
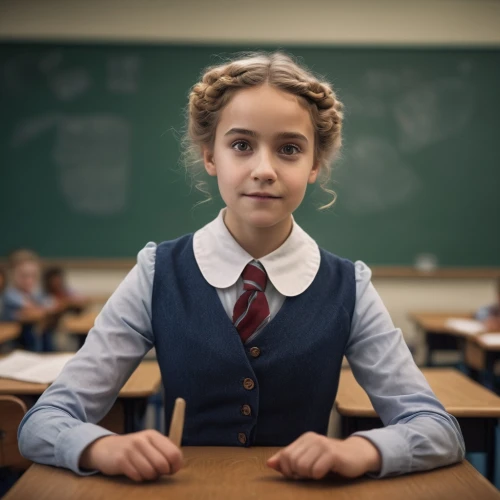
(251, 311)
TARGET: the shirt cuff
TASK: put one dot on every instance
(393, 448)
(71, 443)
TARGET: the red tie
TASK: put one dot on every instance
(251, 311)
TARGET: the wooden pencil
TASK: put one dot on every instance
(177, 422)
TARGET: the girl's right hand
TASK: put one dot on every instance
(144, 455)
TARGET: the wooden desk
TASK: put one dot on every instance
(476, 408)
(144, 382)
(9, 331)
(99, 299)
(241, 473)
(482, 357)
(438, 335)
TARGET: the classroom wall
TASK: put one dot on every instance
(423, 22)
(386, 22)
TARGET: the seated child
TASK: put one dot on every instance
(56, 289)
(24, 302)
(490, 315)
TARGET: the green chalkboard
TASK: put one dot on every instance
(89, 151)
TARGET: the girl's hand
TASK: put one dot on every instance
(313, 456)
(144, 455)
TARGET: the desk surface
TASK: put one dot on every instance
(220, 473)
(144, 382)
(436, 322)
(78, 324)
(9, 331)
(484, 345)
(461, 396)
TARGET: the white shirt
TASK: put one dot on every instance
(290, 269)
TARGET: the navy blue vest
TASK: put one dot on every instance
(236, 395)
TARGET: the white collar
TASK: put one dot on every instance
(291, 268)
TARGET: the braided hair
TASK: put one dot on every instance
(208, 98)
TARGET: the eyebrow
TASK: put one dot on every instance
(280, 135)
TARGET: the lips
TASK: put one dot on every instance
(262, 195)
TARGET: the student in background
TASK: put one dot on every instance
(249, 317)
(24, 301)
(490, 315)
(56, 289)
(3, 285)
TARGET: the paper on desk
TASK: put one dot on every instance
(469, 326)
(33, 367)
(492, 338)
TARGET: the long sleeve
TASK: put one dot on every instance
(13, 301)
(419, 433)
(63, 422)
(483, 313)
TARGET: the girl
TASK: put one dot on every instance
(249, 318)
(24, 302)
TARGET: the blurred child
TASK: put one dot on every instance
(3, 284)
(24, 302)
(490, 315)
(56, 289)
(3, 280)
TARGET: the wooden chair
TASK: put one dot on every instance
(12, 411)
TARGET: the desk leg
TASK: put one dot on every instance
(81, 341)
(479, 437)
(462, 366)
(488, 374)
(134, 409)
(490, 449)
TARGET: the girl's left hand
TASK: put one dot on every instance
(313, 456)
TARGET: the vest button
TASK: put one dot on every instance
(246, 410)
(248, 384)
(255, 352)
(242, 438)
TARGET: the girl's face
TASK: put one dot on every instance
(26, 276)
(263, 156)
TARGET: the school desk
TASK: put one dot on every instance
(99, 299)
(78, 324)
(9, 331)
(481, 353)
(476, 408)
(438, 335)
(241, 473)
(143, 383)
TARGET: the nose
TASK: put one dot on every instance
(264, 170)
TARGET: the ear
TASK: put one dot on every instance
(313, 174)
(208, 161)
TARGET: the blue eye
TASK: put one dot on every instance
(290, 149)
(241, 146)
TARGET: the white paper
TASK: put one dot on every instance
(33, 367)
(492, 339)
(468, 326)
